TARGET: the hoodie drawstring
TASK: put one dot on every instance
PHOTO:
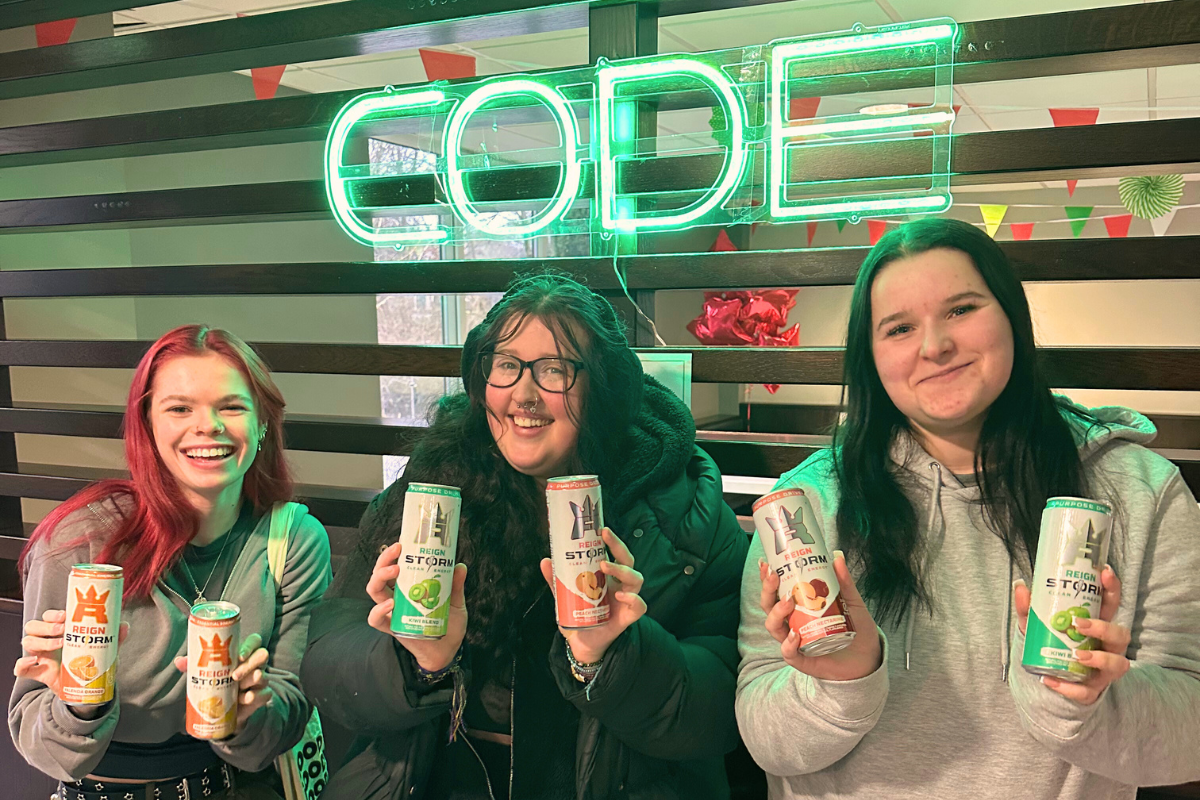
(935, 497)
(1005, 633)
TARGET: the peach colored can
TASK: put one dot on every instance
(796, 551)
(577, 551)
(89, 652)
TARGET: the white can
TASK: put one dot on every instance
(428, 547)
(796, 552)
(212, 692)
(89, 651)
(577, 551)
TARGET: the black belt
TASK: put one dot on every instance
(208, 782)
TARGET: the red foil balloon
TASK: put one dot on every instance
(747, 319)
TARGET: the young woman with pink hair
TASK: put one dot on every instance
(204, 446)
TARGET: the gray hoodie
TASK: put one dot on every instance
(151, 692)
(951, 713)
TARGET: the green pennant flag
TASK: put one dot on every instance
(841, 224)
(1078, 215)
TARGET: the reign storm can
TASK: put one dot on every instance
(577, 551)
(212, 693)
(1072, 552)
(796, 552)
(429, 543)
(89, 651)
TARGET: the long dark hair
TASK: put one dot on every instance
(1026, 450)
(503, 530)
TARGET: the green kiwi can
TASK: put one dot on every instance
(1072, 552)
(429, 542)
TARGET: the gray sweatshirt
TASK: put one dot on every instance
(951, 713)
(151, 692)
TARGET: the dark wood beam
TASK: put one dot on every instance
(19, 13)
(1159, 258)
(1119, 38)
(1130, 148)
(1149, 368)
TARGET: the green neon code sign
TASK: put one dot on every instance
(568, 153)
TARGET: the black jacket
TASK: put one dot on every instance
(656, 720)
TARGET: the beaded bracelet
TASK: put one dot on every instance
(430, 678)
(583, 672)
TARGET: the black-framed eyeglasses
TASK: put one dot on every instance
(551, 374)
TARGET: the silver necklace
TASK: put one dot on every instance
(188, 572)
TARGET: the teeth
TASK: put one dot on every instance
(526, 422)
(209, 452)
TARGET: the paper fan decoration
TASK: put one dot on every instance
(1150, 196)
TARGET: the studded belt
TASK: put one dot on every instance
(209, 782)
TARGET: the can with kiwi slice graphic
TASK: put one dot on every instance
(429, 544)
(89, 651)
(212, 693)
(796, 552)
(1072, 552)
(577, 550)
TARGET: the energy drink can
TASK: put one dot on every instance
(797, 553)
(212, 693)
(89, 651)
(429, 539)
(1072, 552)
(577, 551)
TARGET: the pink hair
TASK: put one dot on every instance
(151, 536)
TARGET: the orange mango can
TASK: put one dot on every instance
(89, 652)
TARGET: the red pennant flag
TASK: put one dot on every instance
(1021, 230)
(443, 66)
(812, 231)
(266, 80)
(1071, 188)
(52, 33)
(1118, 226)
(1070, 117)
(722, 244)
(803, 107)
(876, 228)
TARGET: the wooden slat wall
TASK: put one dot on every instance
(1095, 40)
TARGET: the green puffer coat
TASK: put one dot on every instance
(656, 720)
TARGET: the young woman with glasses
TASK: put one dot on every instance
(507, 704)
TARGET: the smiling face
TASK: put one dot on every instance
(205, 425)
(533, 428)
(942, 344)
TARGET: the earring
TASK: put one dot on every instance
(261, 436)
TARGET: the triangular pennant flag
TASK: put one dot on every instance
(1071, 188)
(876, 228)
(723, 244)
(57, 32)
(1160, 224)
(812, 231)
(443, 66)
(1070, 117)
(993, 215)
(1021, 230)
(1078, 215)
(803, 107)
(841, 223)
(1118, 226)
(266, 80)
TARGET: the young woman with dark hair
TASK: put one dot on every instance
(204, 446)
(951, 445)
(552, 389)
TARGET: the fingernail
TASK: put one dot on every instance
(1081, 622)
(1083, 656)
(839, 554)
(791, 636)
(1042, 679)
(1018, 582)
